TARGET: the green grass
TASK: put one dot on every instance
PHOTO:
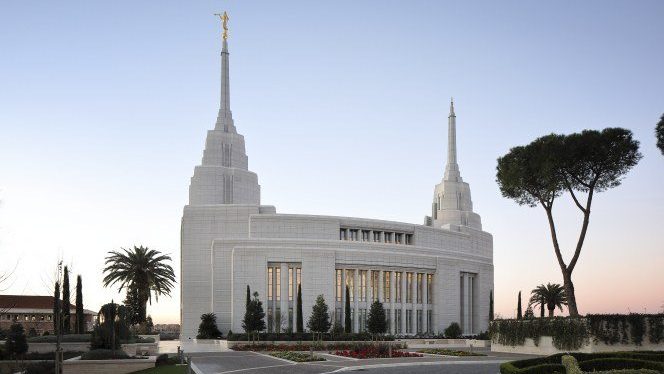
(168, 369)
(449, 352)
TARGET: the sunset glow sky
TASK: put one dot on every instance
(104, 109)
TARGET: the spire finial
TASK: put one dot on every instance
(452, 106)
(224, 23)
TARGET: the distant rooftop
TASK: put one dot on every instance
(9, 302)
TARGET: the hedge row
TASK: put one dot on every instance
(294, 337)
(588, 362)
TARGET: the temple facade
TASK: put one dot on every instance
(427, 276)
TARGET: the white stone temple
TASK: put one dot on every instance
(427, 276)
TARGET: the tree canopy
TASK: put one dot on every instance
(208, 328)
(549, 296)
(580, 164)
(377, 321)
(659, 133)
(254, 316)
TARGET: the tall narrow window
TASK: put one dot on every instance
(339, 288)
(350, 283)
(270, 280)
(388, 321)
(386, 286)
(278, 282)
(429, 321)
(363, 285)
(409, 321)
(420, 290)
(409, 287)
(419, 322)
(298, 273)
(397, 286)
(290, 284)
(374, 285)
(429, 288)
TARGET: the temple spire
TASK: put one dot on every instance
(225, 117)
(452, 168)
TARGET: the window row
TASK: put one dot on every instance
(372, 278)
(27, 317)
(274, 282)
(360, 235)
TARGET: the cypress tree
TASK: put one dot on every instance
(66, 303)
(56, 308)
(519, 315)
(80, 319)
(300, 319)
(491, 305)
(248, 297)
(348, 323)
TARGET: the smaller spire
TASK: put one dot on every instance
(452, 107)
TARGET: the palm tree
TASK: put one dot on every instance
(551, 295)
(141, 269)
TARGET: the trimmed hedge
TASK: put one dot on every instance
(613, 363)
(104, 354)
(590, 362)
(70, 338)
(294, 337)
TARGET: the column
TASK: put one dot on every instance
(393, 326)
(425, 304)
(403, 302)
(370, 296)
(294, 322)
(471, 311)
(356, 306)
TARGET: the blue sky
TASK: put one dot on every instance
(104, 109)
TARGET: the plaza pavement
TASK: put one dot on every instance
(227, 362)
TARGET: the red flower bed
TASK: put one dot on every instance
(375, 352)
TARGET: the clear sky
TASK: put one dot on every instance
(104, 108)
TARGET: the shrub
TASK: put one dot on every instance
(161, 360)
(104, 354)
(509, 368)
(449, 352)
(453, 331)
(208, 327)
(40, 368)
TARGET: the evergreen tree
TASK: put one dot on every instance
(254, 316)
(377, 322)
(491, 305)
(56, 308)
(208, 328)
(248, 299)
(149, 325)
(300, 319)
(80, 318)
(348, 323)
(66, 303)
(16, 344)
(518, 308)
(319, 321)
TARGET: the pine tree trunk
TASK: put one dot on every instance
(569, 293)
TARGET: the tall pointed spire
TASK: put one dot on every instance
(225, 117)
(452, 168)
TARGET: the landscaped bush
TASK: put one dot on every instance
(70, 338)
(453, 331)
(509, 368)
(104, 354)
(46, 356)
(449, 352)
(308, 336)
(363, 351)
(297, 356)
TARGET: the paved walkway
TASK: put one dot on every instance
(259, 363)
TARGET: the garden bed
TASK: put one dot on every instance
(296, 356)
(363, 351)
(449, 352)
(588, 362)
(306, 346)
